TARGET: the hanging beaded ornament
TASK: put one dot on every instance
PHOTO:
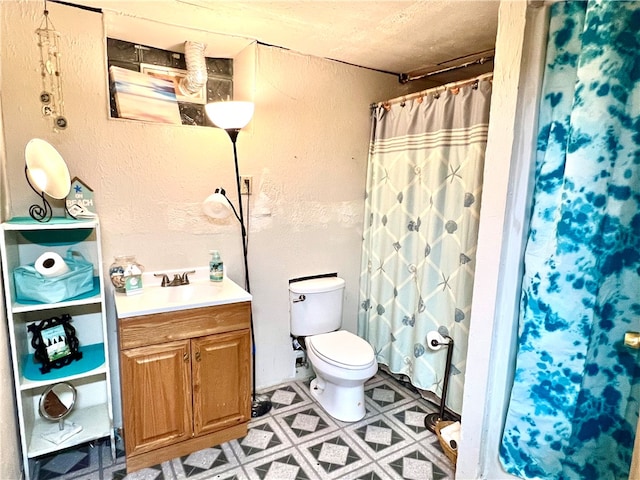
(51, 96)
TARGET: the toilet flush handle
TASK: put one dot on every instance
(301, 298)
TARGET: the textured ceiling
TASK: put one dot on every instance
(401, 36)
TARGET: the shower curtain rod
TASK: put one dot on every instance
(405, 78)
(439, 88)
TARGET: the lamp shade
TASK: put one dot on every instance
(216, 206)
(230, 115)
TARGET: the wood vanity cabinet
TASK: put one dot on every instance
(185, 379)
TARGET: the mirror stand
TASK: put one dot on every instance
(56, 403)
(40, 213)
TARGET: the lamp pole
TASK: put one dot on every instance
(258, 407)
(233, 135)
(231, 116)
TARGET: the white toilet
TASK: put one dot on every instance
(342, 361)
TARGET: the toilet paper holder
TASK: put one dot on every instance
(435, 341)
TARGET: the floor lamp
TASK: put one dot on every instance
(232, 117)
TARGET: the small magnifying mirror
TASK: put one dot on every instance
(57, 401)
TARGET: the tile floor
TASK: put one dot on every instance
(296, 440)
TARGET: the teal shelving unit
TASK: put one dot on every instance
(22, 241)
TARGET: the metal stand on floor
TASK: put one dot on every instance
(432, 419)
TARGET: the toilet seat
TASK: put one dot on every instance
(342, 349)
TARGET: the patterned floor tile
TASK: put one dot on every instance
(235, 474)
(380, 436)
(157, 472)
(265, 437)
(288, 464)
(334, 455)
(416, 463)
(287, 396)
(372, 471)
(218, 460)
(306, 422)
(379, 377)
(383, 396)
(411, 418)
(296, 440)
(70, 463)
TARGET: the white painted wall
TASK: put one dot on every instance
(520, 48)
(306, 149)
(10, 455)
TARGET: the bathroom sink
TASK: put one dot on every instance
(199, 293)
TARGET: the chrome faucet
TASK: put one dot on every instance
(178, 279)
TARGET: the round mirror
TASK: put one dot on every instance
(46, 169)
(57, 401)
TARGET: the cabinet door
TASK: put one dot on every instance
(221, 381)
(156, 396)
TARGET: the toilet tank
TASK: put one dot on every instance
(315, 305)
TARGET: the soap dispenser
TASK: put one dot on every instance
(216, 271)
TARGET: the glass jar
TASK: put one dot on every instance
(124, 266)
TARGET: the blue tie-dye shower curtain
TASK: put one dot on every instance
(574, 403)
(422, 207)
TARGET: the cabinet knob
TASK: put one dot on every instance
(197, 355)
(186, 357)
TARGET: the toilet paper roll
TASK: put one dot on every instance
(451, 435)
(435, 341)
(50, 264)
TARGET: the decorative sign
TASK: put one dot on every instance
(133, 284)
(80, 202)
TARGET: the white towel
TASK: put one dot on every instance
(451, 435)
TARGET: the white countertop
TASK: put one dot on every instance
(199, 293)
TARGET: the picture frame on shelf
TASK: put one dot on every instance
(175, 75)
(54, 342)
(139, 96)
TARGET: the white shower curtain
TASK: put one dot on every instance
(422, 208)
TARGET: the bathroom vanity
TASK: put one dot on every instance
(185, 369)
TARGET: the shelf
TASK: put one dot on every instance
(86, 298)
(22, 241)
(91, 363)
(95, 421)
(28, 223)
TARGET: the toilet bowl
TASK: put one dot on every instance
(343, 362)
